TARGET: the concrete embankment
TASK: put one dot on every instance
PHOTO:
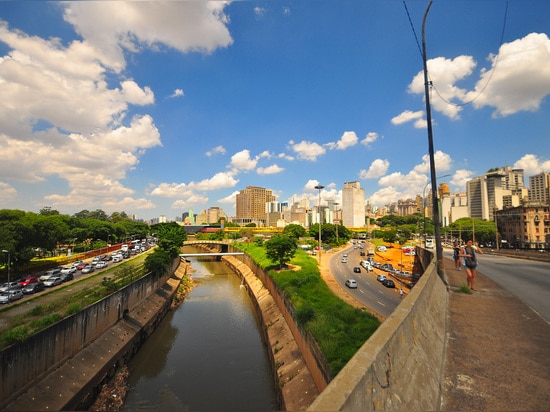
(76, 382)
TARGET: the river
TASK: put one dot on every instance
(207, 355)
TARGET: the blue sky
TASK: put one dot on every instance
(166, 107)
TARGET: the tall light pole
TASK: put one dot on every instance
(336, 226)
(8, 252)
(319, 187)
(435, 206)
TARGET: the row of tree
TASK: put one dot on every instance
(27, 234)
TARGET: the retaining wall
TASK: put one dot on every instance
(400, 367)
(25, 364)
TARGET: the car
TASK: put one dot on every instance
(50, 273)
(357, 269)
(52, 281)
(107, 258)
(68, 270)
(80, 266)
(345, 255)
(96, 260)
(10, 286)
(33, 288)
(87, 269)
(388, 283)
(28, 280)
(344, 260)
(382, 249)
(351, 283)
(362, 253)
(101, 264)
(11, 295)
(381, 278)
(65, 277)
(76, 263)
(117, 258)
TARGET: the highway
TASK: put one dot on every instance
(369, 291)
(529, 280)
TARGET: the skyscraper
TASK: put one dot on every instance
(353, 205)
(250, 205)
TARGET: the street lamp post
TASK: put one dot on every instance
(8, 252)
(336, 226)
(424, 203)
(319, 187)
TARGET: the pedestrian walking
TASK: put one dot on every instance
(470, 262)
(401, 294)
(456, 253)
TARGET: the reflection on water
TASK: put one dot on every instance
(206, 355)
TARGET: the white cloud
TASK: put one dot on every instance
(445, 73)
(189, 201)
(532, 165)
(460, 177)
(218, 181)
(519, 78)
(183, 25)
(231, 199)
(348, 139)
(270, 170)
(371, 137)
(407, 116)
(7, 192)
(242, 161)
(177, 93)
(307, 150)
(378, 167)
(216, 150)
(442, 162)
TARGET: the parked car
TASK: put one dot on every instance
(381, 278)
(87, 269)
(50, 273)
(388, 283)
(357, 269)
(53, 281)
(10, 286)
(65, 277)
(32, 288)
(11, 295)
(100, 265)
(351, 283)
(27, 280)
(68, 270)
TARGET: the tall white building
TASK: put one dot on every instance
(353, 205)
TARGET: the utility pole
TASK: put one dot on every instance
(435, 205)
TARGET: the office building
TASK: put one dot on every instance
(250, 205)
(353, 205)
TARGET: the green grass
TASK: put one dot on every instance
(464, 289)
(339, 329)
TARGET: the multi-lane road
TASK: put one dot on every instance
(529, 280)
(369, 291)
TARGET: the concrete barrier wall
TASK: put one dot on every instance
(23, 364)
(401, 366)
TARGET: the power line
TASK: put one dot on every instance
(490, 75)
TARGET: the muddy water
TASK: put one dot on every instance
(207, 355)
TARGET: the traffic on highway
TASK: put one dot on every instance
(373, 286)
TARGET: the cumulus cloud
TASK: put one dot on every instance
(242, 161)
(218, 181)
(443, 162)
(307, 150)
(407, 116)
(177, 93)
(189, 201)
(370, 138)
(378, 168)
(532, 165)
(231, 199)
(348, 139)
(216, 150)
(270, 170)
(182, 25)
(7, 192)
(445, 73)
(518, 79)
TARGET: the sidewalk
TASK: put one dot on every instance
(498, 355)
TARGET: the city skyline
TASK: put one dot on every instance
(175, 106)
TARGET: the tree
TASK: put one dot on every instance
(281, 248)
(294, 230)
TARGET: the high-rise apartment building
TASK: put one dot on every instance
(250, 205)
(539, 188)
(487, 193)
(353, 205)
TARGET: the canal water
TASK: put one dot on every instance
(207, 355)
